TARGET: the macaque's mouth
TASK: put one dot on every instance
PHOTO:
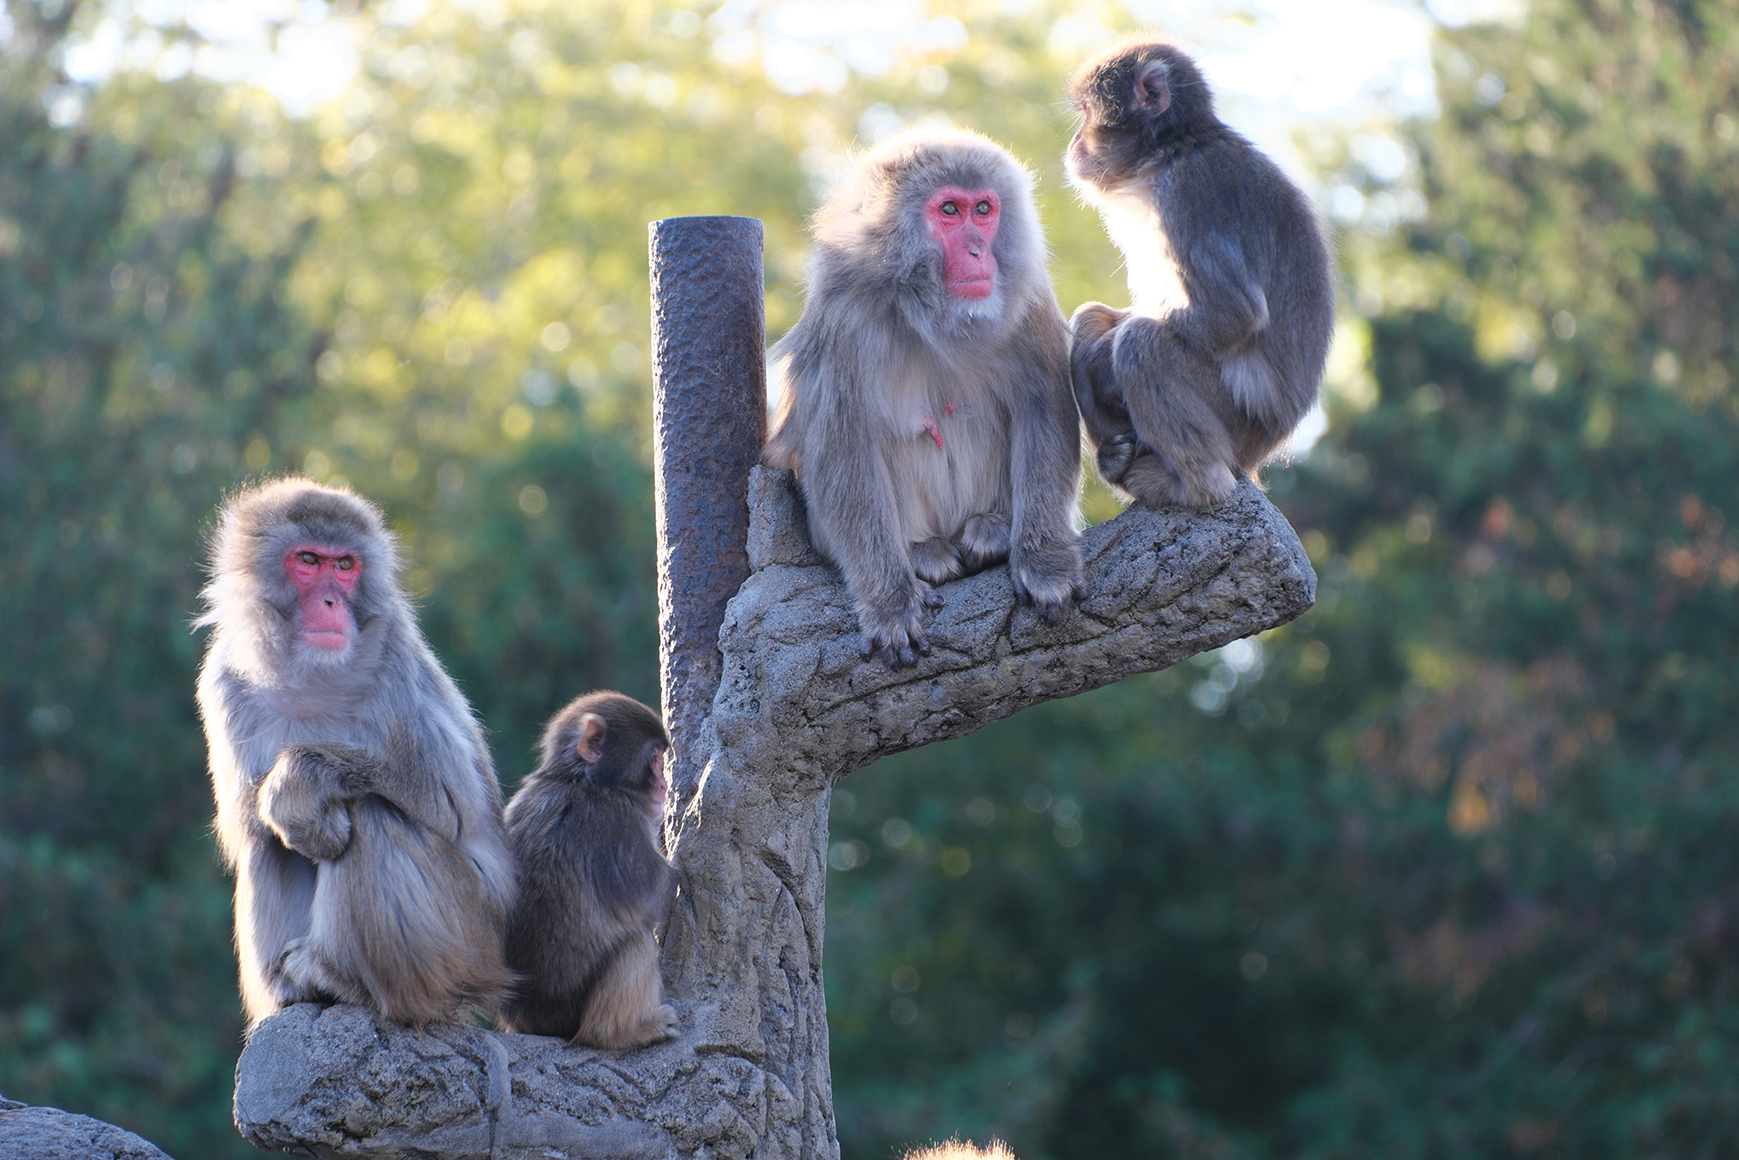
(973, 288)
(326, 638)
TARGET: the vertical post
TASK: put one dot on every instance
(709, 418)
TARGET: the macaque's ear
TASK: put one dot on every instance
(591, 742)
(1152, 89)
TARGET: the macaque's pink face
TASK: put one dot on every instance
(964, 221)
(660, 787)
(325, 579)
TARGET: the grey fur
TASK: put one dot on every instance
(1222, 350)
(356, 801)
(594, 886)
(881, 348)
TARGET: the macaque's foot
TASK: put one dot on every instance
(1115, 456)
(1048, 577)
(936, 561)
(662, 1024)
(983, 541)
(300, 976)
(1150, 481)
(655, 1026)
(1093, 321)
(899, 637)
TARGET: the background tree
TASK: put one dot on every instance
(1445, 868)
(1449, 870)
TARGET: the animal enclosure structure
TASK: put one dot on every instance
(769, 704)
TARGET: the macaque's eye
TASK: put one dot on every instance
(982, 209)
(950, 209)
(345, 563)
(308, 558)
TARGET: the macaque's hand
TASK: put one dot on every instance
(898, 636)
(1048, 577)
(1116, 454)
(302, 801)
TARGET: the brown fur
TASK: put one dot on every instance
(595, 887)
(1220, 355)
(356, 801)
(881, 349)
(956, 1150)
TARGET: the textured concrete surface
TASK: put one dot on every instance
(709, 418)
(29, 1133)
(795, 710)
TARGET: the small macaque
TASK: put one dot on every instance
(926, 404)
(356, 801)
(1222, 349)
(593, 885)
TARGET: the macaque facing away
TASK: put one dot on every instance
(594, 886)
(1220, 354)
(926, 404)
(356, 801)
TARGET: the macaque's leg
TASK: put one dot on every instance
(1097, 392)
(1186, 457)
(274, 894)
(627, 1007)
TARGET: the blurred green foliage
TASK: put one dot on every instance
(1446, 868)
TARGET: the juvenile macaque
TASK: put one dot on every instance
(356, 801)
(1220, 354)
(594, 885)
(926, 401)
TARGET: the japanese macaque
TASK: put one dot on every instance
(926, 401)
(1220, 354)
(594, 886)
(356, 801)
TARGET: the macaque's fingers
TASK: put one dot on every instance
(1047, 576)
(324, 839)
(899, 646)
(666, 1021)
(935, 560)
(984, 540)
(1115, 455)
(300, 800)
(934, 599)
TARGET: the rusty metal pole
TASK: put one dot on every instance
(709, 419)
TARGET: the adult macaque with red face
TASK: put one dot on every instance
(356, 801)
(926, 405)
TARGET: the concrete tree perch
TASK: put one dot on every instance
(769, 705)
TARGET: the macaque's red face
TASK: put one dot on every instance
(660, 787)
(964, 221)
(325, 579)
